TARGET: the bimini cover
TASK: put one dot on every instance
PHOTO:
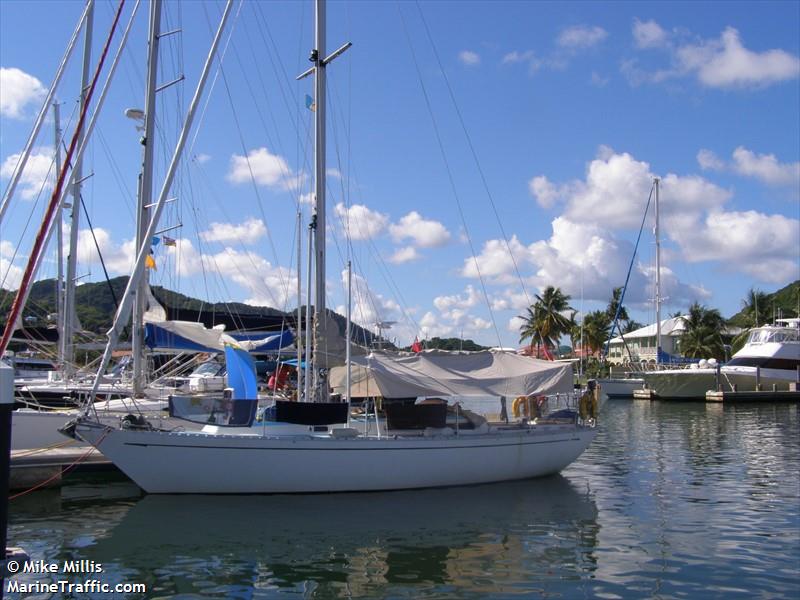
(440, 373)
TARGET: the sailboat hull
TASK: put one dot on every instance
(198, 463)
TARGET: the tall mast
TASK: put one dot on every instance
(318, 56)
(145, 196)
(60, 243)
(70, 316)
(658, 277)
(318, 222)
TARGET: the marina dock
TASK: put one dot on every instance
(46, 467)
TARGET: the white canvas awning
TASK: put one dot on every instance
(440, 373)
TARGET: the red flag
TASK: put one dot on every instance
(416, 346)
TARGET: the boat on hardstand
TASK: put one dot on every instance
(770, 358)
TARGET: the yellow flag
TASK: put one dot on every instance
(150, 263)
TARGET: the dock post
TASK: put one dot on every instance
(6, 404)
(717, 378)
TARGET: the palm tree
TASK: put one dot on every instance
(611, 310)
(545, 322)
(631, 325)
(702, 336)
(755, 312)
(596, 326)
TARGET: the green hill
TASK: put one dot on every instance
(785, 303)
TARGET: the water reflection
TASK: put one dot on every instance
(361, 544)
(671, 500)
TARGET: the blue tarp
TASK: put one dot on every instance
(241, 373)
(273, 342)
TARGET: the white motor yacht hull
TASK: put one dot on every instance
(619, 387)
(692, 384)
(200, 463)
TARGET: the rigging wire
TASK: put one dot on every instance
(449, 174)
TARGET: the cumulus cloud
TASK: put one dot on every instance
(615, 191)
(709, 161)
(764, 246)
(495, 262)
(723, 62)
(370, 307)
(266, 284)
(726, 63)
(10, 274)
(38, 176)
(581, 36)
(456, 316)
(265, 168)
(404, 255)
(18, 89)
(201, 158)
(469, 58)
(648, 34)
(425, 233)
(360, 222)
(118, 257)
(247, 232)
(765, 167)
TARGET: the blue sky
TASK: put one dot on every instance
(460, 134)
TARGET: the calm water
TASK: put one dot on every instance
(671, 501)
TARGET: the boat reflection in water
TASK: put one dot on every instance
(487, 538)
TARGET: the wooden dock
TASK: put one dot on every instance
(46, 467)
(754, 396)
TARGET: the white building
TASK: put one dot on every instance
(641, 343)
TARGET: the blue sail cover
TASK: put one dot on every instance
(241, 373)
(158, 337)
(272, 342)
(199, 339)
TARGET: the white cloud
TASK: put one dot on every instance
(582, 36)
(431, 325)
(616, 189)
(360, 222)
(370, 307)
(424, 232)
(726, 63)
(267, 285)
(495, 261)
(765, 167)
(518, 57)
(469, 299)
(648, 34)
(247, 233)
(118, 257)
(404, 255)
(709, 161)
(335, 173)
(455, 316)
(202, 158)
(39, 173)
(265, 168)
(598, 80)
(545, 193)
(18, 90)
(764, 246)
(469, 58)
(10, 274)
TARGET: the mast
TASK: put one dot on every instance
(318, 222)
(318, 55)
(298, 328)
(59, 242)
(145, 197)
(70, 317)
(9, 193)
(658, 277)
(124, 310)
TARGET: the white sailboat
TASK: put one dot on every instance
(312, 447)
